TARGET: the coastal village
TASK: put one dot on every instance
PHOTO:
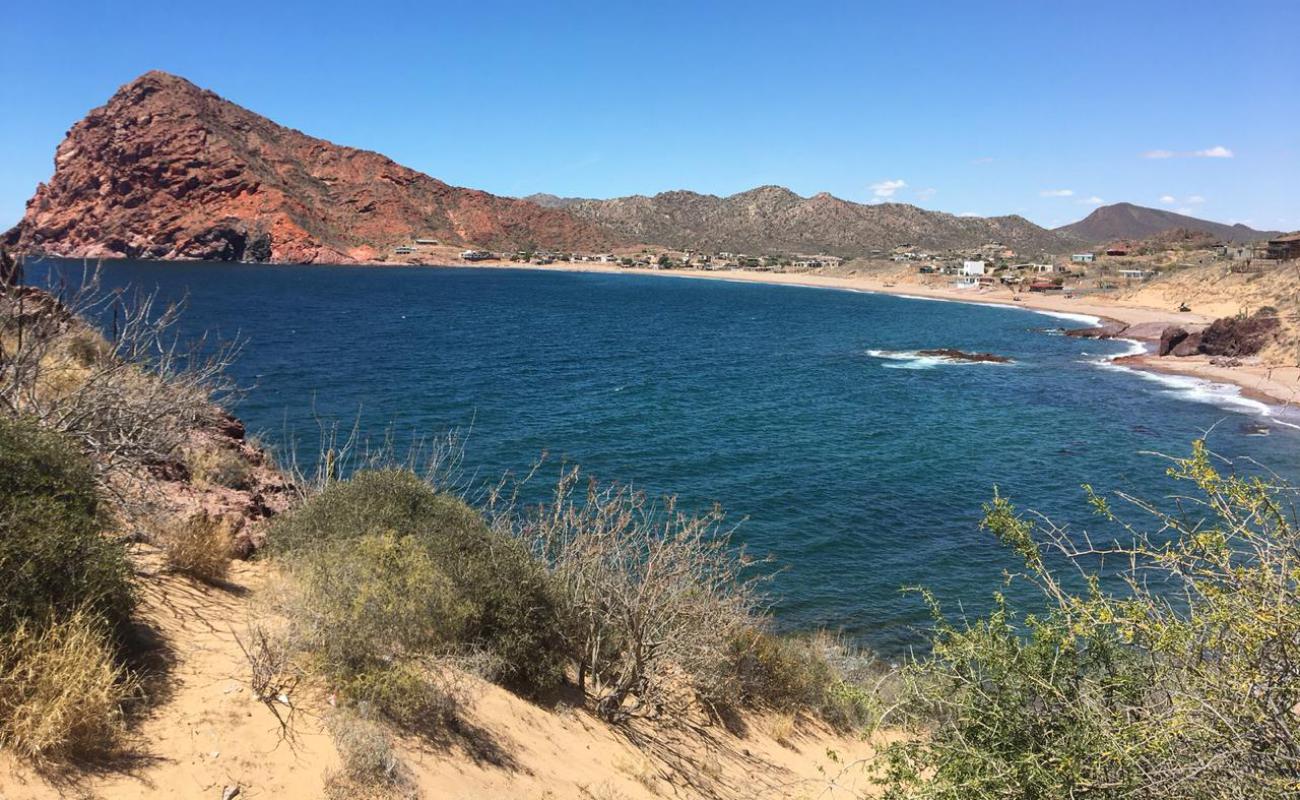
(1114, 266)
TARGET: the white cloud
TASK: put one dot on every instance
(926, 194)
(968, 214)
(1196, 200)
(1092, 201)
(1218, 151)
(1057, 193)
(1168, 199)
(887, 188)
(1185, 211)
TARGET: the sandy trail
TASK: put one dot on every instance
(207, 732)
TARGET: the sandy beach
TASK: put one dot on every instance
(1279, 386)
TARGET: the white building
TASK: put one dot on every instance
(1082, 258)
(972, 268)
(1135, 274)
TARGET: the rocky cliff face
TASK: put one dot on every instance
(772, 219)
(167, 170)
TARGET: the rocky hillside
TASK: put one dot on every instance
(170, 171)
(772, 219)
(1127, 221)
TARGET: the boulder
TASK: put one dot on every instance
(1240, 336)
(1189, 346)
(1172, 336)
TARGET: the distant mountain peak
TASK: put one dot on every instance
(1131, 221)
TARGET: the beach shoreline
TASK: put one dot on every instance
(1273, 386)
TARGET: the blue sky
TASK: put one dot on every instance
(1037, 108)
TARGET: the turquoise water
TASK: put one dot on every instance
(859, 468)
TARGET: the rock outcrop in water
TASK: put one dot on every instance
(166, 170)
(959, 355)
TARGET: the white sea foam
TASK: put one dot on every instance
(1187, 387)
(911, 359)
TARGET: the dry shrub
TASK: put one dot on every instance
(131, 402)
(780, 728)
(61, 690)
(653, 596)
(199, 546)
(370, 766)
(218, 466)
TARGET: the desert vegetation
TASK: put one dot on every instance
(85, 422)
(1181, 682)
(68, 593)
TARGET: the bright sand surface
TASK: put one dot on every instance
(1278, 385)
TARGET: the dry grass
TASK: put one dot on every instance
(61, 691)
(218, 466)
(199, 546)
(370, 766)
(780, 728)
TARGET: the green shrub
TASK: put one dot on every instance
(1181, 683)
(495, 592)
(818, 674)
(373, 600)
(778, 672)
(54, 558)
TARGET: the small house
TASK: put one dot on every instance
(969, 268)
(1284, 248)
(1082, 258)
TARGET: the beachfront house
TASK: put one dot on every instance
(1082, 258)
(970, 268)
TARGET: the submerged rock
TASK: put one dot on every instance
(959, 355)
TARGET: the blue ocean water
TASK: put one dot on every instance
(857, 466)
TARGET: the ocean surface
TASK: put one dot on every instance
(858, 466)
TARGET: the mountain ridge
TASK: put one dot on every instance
(776, 219)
